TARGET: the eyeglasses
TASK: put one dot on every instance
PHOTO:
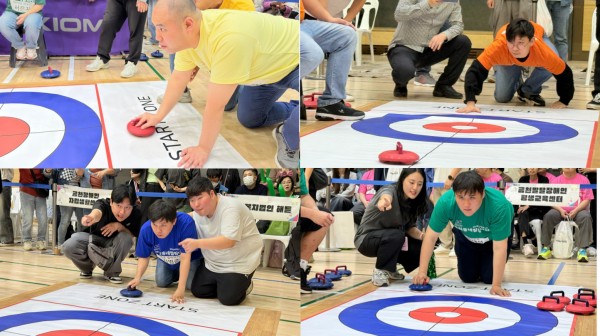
(518, 45)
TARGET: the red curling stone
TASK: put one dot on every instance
(562, 298)
(399, 155)
(138, 130)
(586, 294)
(550, 303)
(580, 307)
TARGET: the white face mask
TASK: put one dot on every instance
(214, 184)
(248, 180)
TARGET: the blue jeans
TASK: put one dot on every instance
(508, 79)
(560, 21)
(165, 276)
(32, 26)
(151, 26)
(28, 205)
(317, 38)
(258, 107)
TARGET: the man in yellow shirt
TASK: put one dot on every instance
(256, 50)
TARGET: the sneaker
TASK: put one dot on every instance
(114, 279)
(380, 278)
(395, 276)
(528, 250)
(452, 254)
(446, 91)
(284, 157)
(129, 70)
(534, 99)
(594, 104)
(185, 98)
(21, 54)
(31, 54)
(41, 245)
(491, 79)
(424, 80)
(400, 91)
(338, 111)
(590, 251)
(3, 244)
(582, 256)
(28, 245)
(304, 288)
(545, 254)
(249, 289)
(85, 275)
(96, 65)
(349, 98)
(441, 250)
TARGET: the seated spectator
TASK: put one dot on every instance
(579, 213)
(251, 184)
(287, 185)
(342, 194)
(216, 179)
(527, 213)
(26, 14)
(111, 226)
(489, 176)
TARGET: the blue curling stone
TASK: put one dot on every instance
(420, 288)
(49, 74)
(157, 54)
(332, 275)
(143, 57)
(343, 270)
(320, 282)
(131, 292)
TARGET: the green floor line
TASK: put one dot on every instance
(329, 295)
(276, 297)
(155, 71)
(448, 271)
(37, 265)
(28, 282)
(297, 322)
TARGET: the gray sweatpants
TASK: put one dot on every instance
(76, 249)
(583, 219)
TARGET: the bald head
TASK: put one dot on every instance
(178, 9)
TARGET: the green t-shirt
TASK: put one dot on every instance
(22, 6)
(491, 221)
(303, 185)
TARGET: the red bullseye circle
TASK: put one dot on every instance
(74, 333)
(435, 315)
(13, 133)
(464, 127)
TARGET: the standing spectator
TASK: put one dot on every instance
(66, 176)
(117, 11)
(594, 104)
(560, 11)
(34, 199)
(7, 237)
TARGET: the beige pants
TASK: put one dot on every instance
(446, 236)
(507, 10)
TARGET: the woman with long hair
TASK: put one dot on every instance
(388, 229)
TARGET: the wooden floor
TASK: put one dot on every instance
(244, 140)
(519, 269)
(372, 92)
(28, 274)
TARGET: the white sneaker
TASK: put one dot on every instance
(185, 98)
(28, 245)
(349, 98)
(129, 70)
(529, 250)
(452, 254)
(41, 245)
(96, 65)
(21, 53)
(395, 276)
(31, 54)
(591, 252)
(380, 278)
(441, 250)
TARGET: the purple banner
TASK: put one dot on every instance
(72, 27)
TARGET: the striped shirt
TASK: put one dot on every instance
(418, 23)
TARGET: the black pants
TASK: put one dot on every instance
(405, 61)
(386, 245)
(475, 261)
(527, 216)
(117, 11)
(6, 226)
(229, 288)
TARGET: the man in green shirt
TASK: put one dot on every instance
(482, 219)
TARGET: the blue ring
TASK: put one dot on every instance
(363, 317)
(83, 129)
(380, 126)
(146, 325)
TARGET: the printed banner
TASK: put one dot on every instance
(271, 207)
(72, 27)
(542, 194)
(79, 197)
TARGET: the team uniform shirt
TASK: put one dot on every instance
(491, 221)
(233, 220)
(368, 189)
(303, 184)
(584, 194)
(245, 5)
(494, 177)
(239, 47)
(167, 249)
(21, 6)
(132, 223)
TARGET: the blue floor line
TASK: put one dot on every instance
(556, 274)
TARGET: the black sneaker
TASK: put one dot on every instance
(537, 100)
(594, 104)
(114, 279)
(85, 275)
(304, 288)
(400, 91)
(446, 91)
(338, 111)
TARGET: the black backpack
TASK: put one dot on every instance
(291, 263)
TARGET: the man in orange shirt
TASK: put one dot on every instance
(519, 44)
